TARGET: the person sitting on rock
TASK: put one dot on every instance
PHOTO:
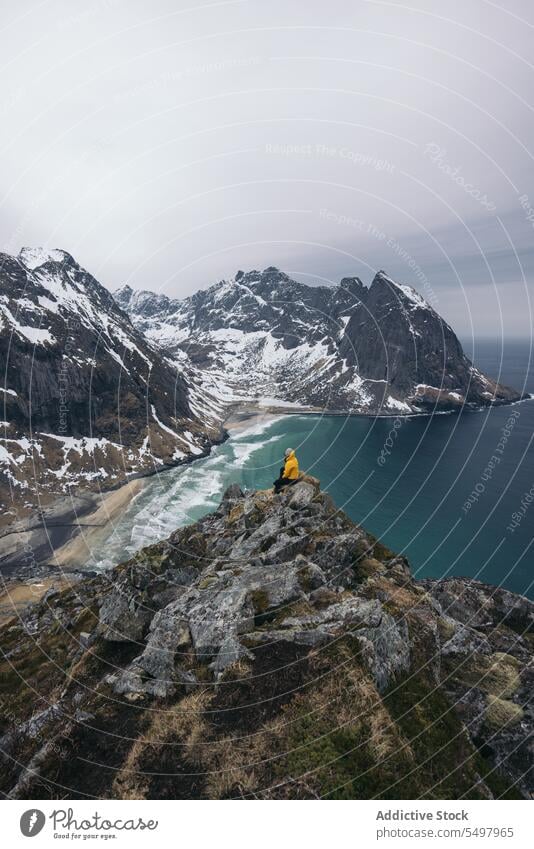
(289, 472)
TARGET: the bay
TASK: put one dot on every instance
(426, 486)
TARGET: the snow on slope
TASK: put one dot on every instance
(352, 348)
(86, 397)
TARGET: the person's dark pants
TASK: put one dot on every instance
(281, 482)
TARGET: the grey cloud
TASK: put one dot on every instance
(169, 144)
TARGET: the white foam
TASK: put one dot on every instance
(244, 450)
(174, 508)
(259, 425)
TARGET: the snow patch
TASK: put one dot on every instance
(395, 404)
(34, 257)
(266, 401)
(160, 423)
(35, 335)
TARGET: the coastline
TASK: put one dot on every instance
(36, 554)
(74, 553)
(29, 546)
(241, 416)
(61, 542)
(66, 565)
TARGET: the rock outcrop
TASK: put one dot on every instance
(274, 649)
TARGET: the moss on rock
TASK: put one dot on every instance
(501, 713)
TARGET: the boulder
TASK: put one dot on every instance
(169, 631)
(230, 652)
(124, 616)
(302, 495)
(217, 615)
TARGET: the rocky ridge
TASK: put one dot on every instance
(380, 349)
(274, 649)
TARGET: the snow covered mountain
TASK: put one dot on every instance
(377, 349)
(96, 388)
(86, 399)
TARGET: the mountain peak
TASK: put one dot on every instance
(125, 290)
(368, 349)
(353, 285)
(408, 292)
(35, 257)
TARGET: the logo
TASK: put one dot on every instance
(31, 822)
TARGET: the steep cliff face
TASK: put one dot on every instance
(86, 400)
(395, 336)
(381, 349)
(272, 650)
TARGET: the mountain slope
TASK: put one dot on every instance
(85, 398)
(380, 349)
(272, 650)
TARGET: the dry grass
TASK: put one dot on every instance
(497, 674)
(402, 597)
(182, 723)
(500, 713)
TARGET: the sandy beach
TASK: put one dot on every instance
(62, 541)
(248, 415)
(16, 593)
(244, 417)
(75, 553)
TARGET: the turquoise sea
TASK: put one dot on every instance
(451, 492)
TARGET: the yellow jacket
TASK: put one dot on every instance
(291, 467)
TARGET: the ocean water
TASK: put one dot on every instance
(448, 491)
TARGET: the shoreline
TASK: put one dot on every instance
(241, 415)
(73, 529)
(74, 553)
(241, 418)
(55, 545)
(67, 563)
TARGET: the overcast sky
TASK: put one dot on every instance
(168, 144)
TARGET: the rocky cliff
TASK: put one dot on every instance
(352, 348)
(86, 399)
(273, 649)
